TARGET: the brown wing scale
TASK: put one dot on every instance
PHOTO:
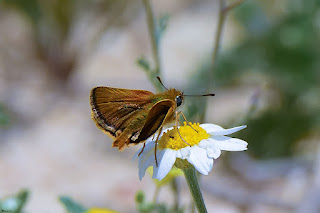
(112, 108)
(161, 112)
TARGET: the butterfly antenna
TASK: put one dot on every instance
(159, 79)
(211, 94)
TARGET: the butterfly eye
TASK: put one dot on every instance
(178, 100)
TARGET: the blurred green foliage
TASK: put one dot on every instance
(160, 25)
(144, 206)
(30, 8)
(4, 117)
(55, 13)
(71, 206)
(15, 203)
(53, 23)
(280, 50)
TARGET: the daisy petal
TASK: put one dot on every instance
(167, 160)
(159, 157)
(143, 166)
(147, 148)
(230, 144)
(210, 163)
(214, 152)
(153, 137)
(213, 129)
(206, 143)
(228, 131)
(198, 158)
(184, 152)
(146, 159)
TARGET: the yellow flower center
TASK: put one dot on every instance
(99, 210)
(191, 133)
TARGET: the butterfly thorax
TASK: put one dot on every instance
(172, 94)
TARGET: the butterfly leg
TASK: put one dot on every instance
(176, 126)
(144, 145)
(184, 117)
(155, 146)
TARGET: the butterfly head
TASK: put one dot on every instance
(179, 99)
(176, 96)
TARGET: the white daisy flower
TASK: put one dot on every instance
(206, 144)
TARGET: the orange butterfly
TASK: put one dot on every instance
(132, 116)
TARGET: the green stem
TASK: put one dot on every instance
(233, 5)
(193, 208)
(156, 195)
(175, 190)
(154, 44)
(192, 181)
(223, 12)
(217, 41)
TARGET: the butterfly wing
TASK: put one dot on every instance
(113, 109)
(162, 112)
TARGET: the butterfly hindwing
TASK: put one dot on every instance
(161, 112)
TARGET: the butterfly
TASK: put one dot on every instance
(132, 116)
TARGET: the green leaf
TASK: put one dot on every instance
(140, 197)
(144, 64)
(71, 206)
(30, 8)
(161, 27)
(163, 23)
(14, 204)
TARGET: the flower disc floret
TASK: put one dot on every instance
(192, 133)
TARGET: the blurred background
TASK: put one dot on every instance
(266, 75)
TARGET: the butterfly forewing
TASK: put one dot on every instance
(112, 108)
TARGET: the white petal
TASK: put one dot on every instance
(154, 137)
(146, 159)
(214, 152)
(206, 143)
(211, 127)
(184, 152)
(178, 154)
(143, 167)
(228, 131)
(136, 155)
(147, 148)
(165, 163)
(199, 159)
(159, 157)
(214, 129)
(230, 144)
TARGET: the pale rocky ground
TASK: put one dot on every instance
(53, 147)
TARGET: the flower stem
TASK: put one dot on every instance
(223, 12)
(175, 190)
(192, 181)
(151, 21)
(156, 194)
